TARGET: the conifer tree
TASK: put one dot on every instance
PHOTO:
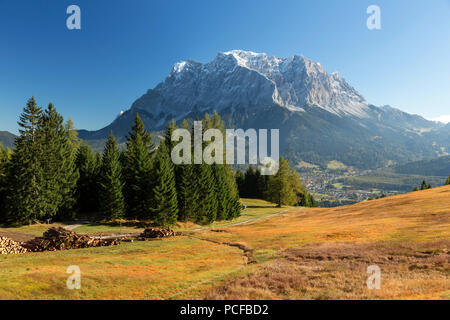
(240, 182)
(24, 172)
(5, 155)
(187, 192)
(280, 189)
(207, 209)
(223, 195)
(250, 184)
(184, 181)
(168, 135)
(448, 181)
(235, 207)
(165, 208)
(88, 165)
(58, 164)
(424, 185)
(72, 134)
(137, 160)
(112, 204)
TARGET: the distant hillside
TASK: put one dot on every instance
(436, 167)
(7, 139)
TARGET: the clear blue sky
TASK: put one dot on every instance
(127, 47)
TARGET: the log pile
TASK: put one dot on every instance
(61, 239)
(8, 246)
(153, 233)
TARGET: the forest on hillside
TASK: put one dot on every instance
(52, 174)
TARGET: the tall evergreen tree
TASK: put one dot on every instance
(235, 207)
(72, 134)
(88, 165)
(302, 196)
(425, 186)
(165, 207)
(112, 204)
(171, 127)
(223, 195)
(280, 189)
(24, 172)
(207, 209)
(187, 194)
(58, 164)
(448, 181)
(187, 188)
(240, 182)
(5, 155)
(138, 171)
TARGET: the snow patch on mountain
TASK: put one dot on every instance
(254, 81)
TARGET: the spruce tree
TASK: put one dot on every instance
(137, 160)
(58, 164)
(207, 209)
(112, 204)
(184, 181)
(165, 208)
(187, 192)
(171, 127)
(23, 202)
(235, 207)
(5, 155)
(448, 181)
(240, 182)
(424, 185)
(223, 195)
(250, 184)
(88, 165)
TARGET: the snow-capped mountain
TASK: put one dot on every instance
(238, 78)
(320, 116)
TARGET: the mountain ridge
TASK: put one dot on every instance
(7, 139)
(320, 116)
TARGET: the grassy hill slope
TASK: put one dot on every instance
(298, 254)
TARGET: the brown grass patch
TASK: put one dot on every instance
(338, 271)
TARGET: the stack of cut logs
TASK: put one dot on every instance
(8, 246)
(153, 233)
(61, 239)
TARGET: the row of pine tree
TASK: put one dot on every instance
(284, 188)
(426, 186)
(51, 174)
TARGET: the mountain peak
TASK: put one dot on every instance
(318, 114)
(253, 81)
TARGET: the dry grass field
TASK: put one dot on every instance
(299, 254)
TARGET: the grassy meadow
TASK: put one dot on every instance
(268, 253)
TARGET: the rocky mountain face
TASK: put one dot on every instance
(320, 116)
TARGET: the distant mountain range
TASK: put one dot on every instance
(320, 116)
(7, 139)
